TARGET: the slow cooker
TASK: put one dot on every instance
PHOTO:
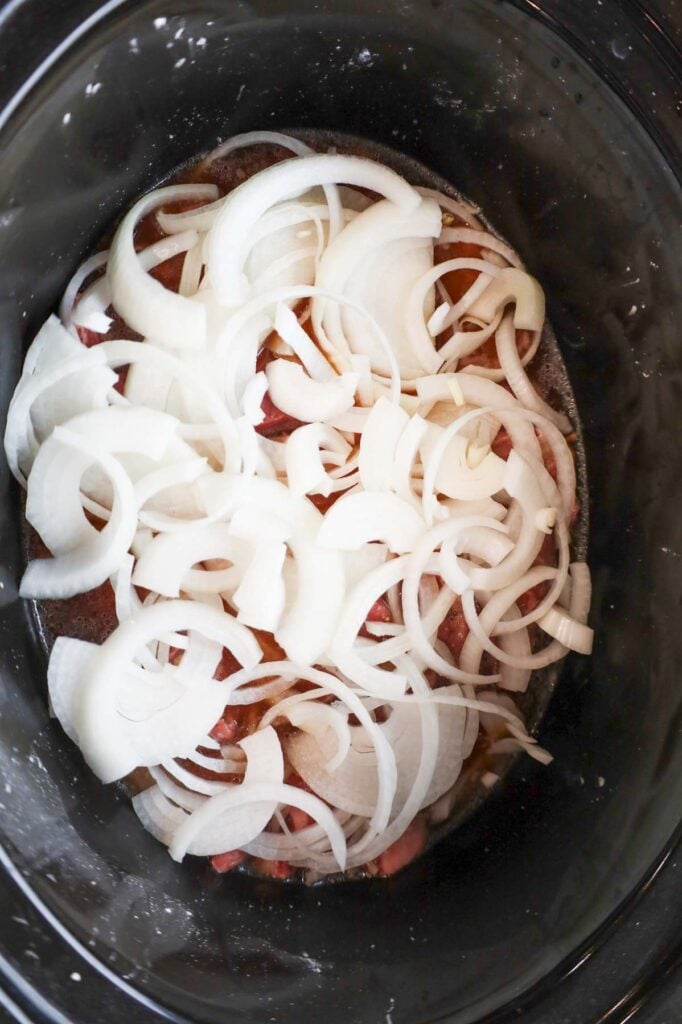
(559, 901)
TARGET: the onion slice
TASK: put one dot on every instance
(143, 302)
(513, 285)
(357, 519)
(110, 746)
(228, 239)
(309, 400)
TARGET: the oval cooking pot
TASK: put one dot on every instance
(559, 899)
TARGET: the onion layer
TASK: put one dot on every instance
(291, 471)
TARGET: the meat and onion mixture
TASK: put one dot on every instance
(299, 512)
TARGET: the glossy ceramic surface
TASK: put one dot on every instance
(538, 126)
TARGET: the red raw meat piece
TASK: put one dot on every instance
(223, 862)
(404, 850)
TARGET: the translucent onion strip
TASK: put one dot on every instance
(143, 302)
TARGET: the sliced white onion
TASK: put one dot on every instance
(472, 236)
(464, 343)
(254, 393)
(192, 267)
(69, 660)
(415, 568)
(385, 424)
(309, 621)
(90, 311)
(296, 146)
(254, 522)
(209, 830)
(190, 500)
(290, 330)
(123, 353)
(144, 303)
(158, 814)
(60, 379)
(358, 519)
(261, 595)
(311, 401)
(89, 314)
(317, 720)
(385, 758)
(510, 362)
(248, 327)
(406, 452)
(513, 285)
(376, 681)
(167, 560)
(520, 483)
(420, 339)
(56, 478)
(375, 261)
(88, 557)
(455, 476)
(500, 603)
(296, 847)
(112, 745)
(391, 649)
(125, 596)
(229, 238)
(307, 450)
(571, 634)
(439, 758)
(86, 269)
(461, 209)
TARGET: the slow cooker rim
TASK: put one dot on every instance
(14, 105)
(662, 49)
(640, 990)
(61, 929)
(637, 993)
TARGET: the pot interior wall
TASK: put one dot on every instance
(501, 107)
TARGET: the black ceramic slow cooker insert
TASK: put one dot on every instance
(559, 901)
